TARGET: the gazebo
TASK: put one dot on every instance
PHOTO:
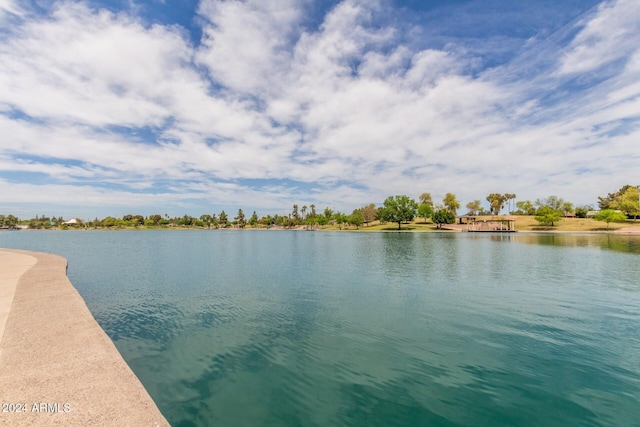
(500, 225)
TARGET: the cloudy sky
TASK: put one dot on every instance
(110, 107)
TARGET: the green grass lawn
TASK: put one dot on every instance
(528, 223)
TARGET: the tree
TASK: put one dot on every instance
(295, 214)
(313, 210)
(610, 215)
(451, 203)
(555, 203)
(581, 211)
(548, 216)
(369, 213)
(156, 219)
(425, 199)
(474, 207)
(443, 216)
(328, 213)
(223, 219)
(108, 222)
(629, 203)
(253, 221)
(425, 211)
(398, 209)
(206, 220)
(240, 219)
(321, 220)
(567, 207)
(267, 221)
(525, 207)
(625, 200)
(496, 202)
(509, 197)
(10, 221)
(356, 218)
(187, 221)
(610, 200)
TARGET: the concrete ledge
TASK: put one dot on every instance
(57, 366)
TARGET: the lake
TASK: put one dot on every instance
(295, 328)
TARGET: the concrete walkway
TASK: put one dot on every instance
(13, 266)
(57, 366)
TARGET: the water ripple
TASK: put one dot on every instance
(351, 329)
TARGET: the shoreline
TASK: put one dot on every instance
(522, 224)
(413, 227)
(57, 365)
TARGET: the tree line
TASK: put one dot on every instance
(399, 209)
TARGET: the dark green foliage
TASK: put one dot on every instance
(581, 211)
(398, 209)
(443, 216)
(240, 220)
(610, 201)
(609, 216)
(546, 215)
(356, 218)
(253, 221)
(223, 219)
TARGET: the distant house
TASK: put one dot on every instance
(72, 221)
(569, 215)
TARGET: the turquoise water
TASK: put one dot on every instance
(279, 328)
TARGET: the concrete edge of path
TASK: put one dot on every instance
(57, 365)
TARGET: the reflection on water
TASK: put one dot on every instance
(617, 242)
(376, 329)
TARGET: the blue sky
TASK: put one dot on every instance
(109, 107)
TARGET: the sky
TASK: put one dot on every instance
(114, 107)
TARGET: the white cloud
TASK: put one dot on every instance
(90, 67)
(246, 45)
(9, 8)
(612, 34)
(345, 107)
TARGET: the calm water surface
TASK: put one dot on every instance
(265, 328)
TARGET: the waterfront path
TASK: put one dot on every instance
(57, 366)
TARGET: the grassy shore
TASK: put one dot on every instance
(522, 224)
